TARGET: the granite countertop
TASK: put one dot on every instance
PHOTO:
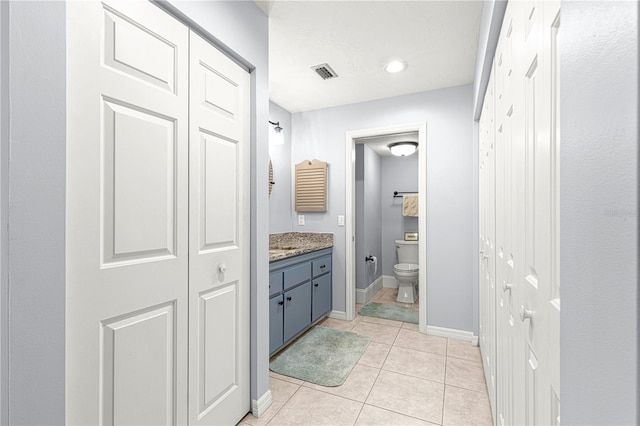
(289, 244)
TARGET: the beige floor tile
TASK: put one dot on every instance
(375, 355)
(370, 416)
(281, 392)
(312, 407)
(416, 363)
(356, 387)
(293, 380)
(339, 324)
(465, 374)
(466, 407)
(407, 395)
(386, 295)
(410, 326)
(381, 321)
(463, 350)
(376, 332)
(422, 342)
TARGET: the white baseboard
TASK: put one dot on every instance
(260, 406)
(452, 333)
(389, 281)
(363, 295)
(341, 315)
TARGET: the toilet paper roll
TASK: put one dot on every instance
(375, 265)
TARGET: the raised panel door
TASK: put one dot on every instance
(127, 189)
(218, 237)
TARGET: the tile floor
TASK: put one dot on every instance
(403, 378)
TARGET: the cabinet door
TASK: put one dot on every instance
(321, 296)
(276, 316)
(297, 310)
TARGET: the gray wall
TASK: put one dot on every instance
(450, 255)
(398, 174)
(280, 210)
(36, 201)
(4, 185)
(359, 214)
(599, 213)
(36, 195)
(368, 214)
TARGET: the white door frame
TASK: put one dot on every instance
(350, 181)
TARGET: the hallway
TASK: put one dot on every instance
(403, 378)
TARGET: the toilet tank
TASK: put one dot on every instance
(407, 251)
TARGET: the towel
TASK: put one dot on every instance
(410, 205)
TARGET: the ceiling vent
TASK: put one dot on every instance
(324, 71)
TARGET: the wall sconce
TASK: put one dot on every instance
(276, 137)
(403, 149)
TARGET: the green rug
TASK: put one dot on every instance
(324, 356)
(389, 311)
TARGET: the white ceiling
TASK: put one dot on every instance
(438, 40)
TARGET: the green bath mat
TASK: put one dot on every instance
(389, 311)
(324, 356)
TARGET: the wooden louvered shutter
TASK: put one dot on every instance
(311, 186)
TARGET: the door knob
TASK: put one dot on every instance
(222, 268)
(506, 287)
(525, 313)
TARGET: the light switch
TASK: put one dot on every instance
(301, 219)
(340, 220)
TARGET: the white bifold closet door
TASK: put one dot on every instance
(521, 135)
(157, 285)
(218, 237)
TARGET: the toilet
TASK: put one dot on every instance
(406, 271)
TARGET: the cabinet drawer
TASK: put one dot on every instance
(297, 274)
(275, 283)
(320, 296)
(321, 266)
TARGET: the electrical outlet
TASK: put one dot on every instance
(340, 220)
(301, 219)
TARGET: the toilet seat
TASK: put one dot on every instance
(406, 267)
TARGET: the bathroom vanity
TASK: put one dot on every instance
(300, 289)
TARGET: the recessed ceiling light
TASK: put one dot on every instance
(395, 66)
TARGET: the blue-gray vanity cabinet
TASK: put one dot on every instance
(300, 294)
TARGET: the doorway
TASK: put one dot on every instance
(350, 202)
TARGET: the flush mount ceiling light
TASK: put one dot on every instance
(403, 149)
(276, 137)
(395, 66)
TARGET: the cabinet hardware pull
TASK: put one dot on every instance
(315, 284)
(322, 266)
(289, 298)
(281, 303)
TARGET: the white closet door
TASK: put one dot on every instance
(219, 237)
(127, 183)
(537, 279)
